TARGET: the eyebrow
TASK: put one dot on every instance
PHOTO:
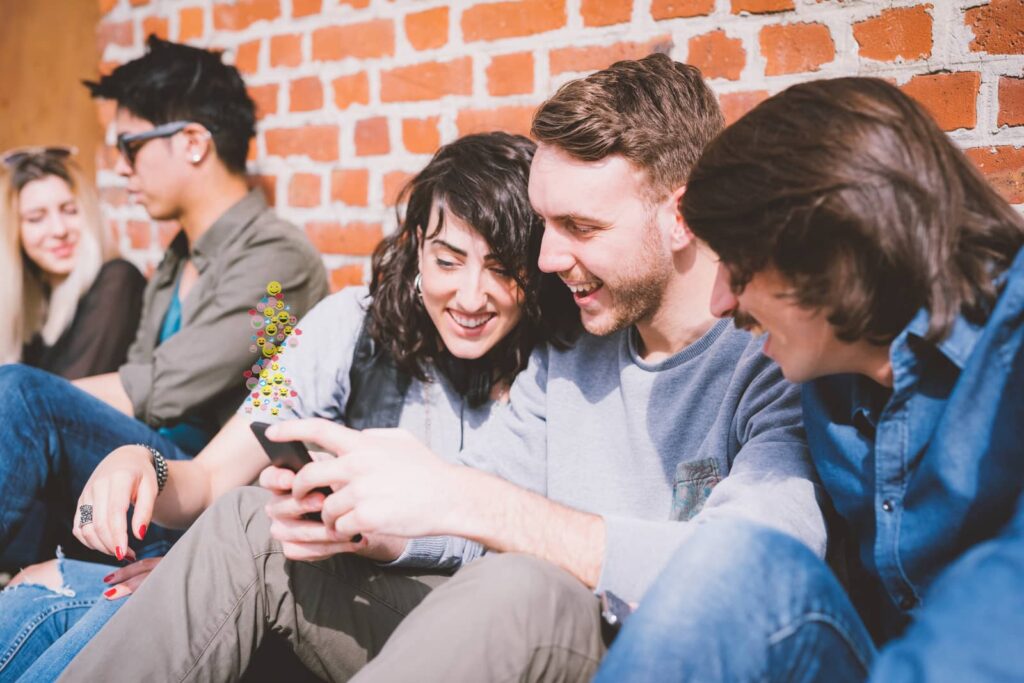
(580, 218)
(461, 252)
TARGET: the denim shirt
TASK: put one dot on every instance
(923, 472)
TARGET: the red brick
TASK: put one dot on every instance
(998, 27)
(158, 26)
(305, 94)
(794, 48)
(316, 142)
(266, 183)
(304, 190)
(265, 97)
(372, 137)
(896, 33)
(1011, 102)
(421, 136)
(107, 66)
(606, 12)
(736, 104)
(1004, 168)
(356, 238)
(428, 81)
(241, 14)
(106, 157)
(105, 111)
(305, 8)
(137, 3)
(394, 182)
(510, 74)
(671, 9)
(512, 18)
(350, 186)
(346, 276)
(113, 196)
(365, 40)
(191, 24)
(140, 234)
(349, 90)
(428, 29)
(761, 6)
(106, 6)
(951, 98)
(510, 119)
(166, 231)
(111, 33)
(247, 58)
(600, 56)
(717, 55)
(356, 4)
(286, 50)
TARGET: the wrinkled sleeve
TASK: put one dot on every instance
(771, 482)
(207, 356)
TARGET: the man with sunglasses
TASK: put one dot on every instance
(184, 121)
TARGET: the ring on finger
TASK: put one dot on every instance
(84, 515)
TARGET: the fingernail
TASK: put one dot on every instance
(118, 553)
(109, 593)
(108, 578)
(142, 531)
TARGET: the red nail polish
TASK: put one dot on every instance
(107, 578)
(110, 592)
(118, 553)
(142, 531)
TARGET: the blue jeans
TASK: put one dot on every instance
(42, 629)
(53, 436)
(740, 602)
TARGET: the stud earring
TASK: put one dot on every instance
(197, 158)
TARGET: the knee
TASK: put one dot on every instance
(241, 509)
(46, 574)
(534, 591)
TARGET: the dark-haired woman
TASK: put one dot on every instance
(455, 306)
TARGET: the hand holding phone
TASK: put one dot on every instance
(290, 455)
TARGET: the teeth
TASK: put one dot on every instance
(470, 322)
(583, 289)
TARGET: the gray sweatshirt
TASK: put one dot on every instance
(655, 449)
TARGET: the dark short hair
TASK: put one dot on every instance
(657, 113)
(174, 82)
(850, 190)
(482, 179)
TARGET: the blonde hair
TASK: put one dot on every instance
(37, 309)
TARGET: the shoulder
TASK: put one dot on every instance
(120, 270)
(339, 313)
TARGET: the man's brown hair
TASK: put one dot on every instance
(850, 190)
(656, 113)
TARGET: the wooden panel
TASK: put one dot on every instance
(46, 48)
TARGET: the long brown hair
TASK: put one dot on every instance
(483, 180)
(850, 190)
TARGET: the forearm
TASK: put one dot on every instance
(506, 518)
(107, 388)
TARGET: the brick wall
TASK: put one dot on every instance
(354, 95)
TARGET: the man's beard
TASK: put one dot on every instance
(637, 296)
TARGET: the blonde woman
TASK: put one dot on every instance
(73, 307)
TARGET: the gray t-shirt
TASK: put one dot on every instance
(655, 449)
(319, 371)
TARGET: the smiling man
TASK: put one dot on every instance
(888, 276)
(608, 457)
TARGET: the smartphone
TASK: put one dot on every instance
(291, 455)
(614, 611)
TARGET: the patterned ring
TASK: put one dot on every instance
(84, 515)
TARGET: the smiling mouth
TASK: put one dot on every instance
(470, 322)
(583, 290)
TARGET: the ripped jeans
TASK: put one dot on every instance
(42, 629)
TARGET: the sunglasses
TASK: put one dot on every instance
(129, 144)
(14, 157)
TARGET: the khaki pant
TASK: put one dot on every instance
(201, 615)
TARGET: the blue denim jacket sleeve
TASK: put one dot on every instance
(972, 626)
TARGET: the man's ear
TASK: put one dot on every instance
(680, 236)
(198, 143)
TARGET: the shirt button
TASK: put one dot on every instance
(887, 505)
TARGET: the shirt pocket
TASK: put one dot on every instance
(693, 483)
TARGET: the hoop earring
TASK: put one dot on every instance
(417, 285)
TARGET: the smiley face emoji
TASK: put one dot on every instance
(260, 341)
(273, 288)
(288, 330)
(278, 378)
(282, 317)
(279, 305)
(269, 350)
